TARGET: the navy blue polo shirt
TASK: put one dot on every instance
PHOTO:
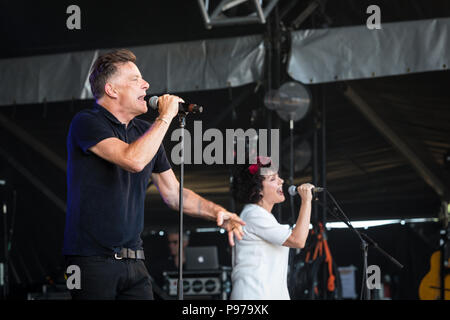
(105, 203)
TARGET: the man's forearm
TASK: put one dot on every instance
(197, 206)
(144, 149)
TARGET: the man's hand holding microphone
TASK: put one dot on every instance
(168, 107)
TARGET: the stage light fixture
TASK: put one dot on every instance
(294, 101)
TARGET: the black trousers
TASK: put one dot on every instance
(107, 278)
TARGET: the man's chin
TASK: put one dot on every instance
(141, 109)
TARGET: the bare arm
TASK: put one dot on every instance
(299, 234)
(195, 205)
(135, 156)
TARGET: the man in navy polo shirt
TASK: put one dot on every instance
(111, 157)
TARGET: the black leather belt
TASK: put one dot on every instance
(126, 253)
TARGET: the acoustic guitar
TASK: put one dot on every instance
(430, 286)
(439, 275)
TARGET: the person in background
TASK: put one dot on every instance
(171, 262)
(173, 238)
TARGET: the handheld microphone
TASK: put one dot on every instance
(293, 190)
(152, 102)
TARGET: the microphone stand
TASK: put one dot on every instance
(182, 123)
(5, 248)
(291, 164)
(365, 242)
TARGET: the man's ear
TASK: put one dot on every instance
(110, 90)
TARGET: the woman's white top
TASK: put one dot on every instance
(260, 261)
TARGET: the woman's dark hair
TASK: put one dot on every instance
(246, 186)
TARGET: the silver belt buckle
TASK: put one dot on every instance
(117, 257)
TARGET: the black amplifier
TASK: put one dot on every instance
(200, 284)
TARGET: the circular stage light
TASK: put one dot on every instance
(294, 101)
(271, 100)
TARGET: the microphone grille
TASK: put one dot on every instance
(292, 190)
(153, 102)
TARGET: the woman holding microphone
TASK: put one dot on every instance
(260, 259)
